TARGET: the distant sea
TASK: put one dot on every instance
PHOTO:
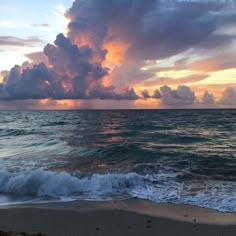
(174, 156)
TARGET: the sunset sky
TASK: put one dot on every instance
(99, 54)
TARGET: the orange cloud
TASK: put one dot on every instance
(116, 52)
(207, 65)
(115, 56)
(1, 78)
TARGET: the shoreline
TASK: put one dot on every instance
(129, 217)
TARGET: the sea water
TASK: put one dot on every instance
(174, 156)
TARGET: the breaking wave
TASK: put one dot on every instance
(156, 187)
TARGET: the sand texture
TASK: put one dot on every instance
(118, 219)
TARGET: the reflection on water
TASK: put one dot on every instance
(180, 156)
(107, 140)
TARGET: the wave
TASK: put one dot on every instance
(158, 188)
(51, 184)
(20, 132)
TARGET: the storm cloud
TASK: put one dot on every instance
(108, 42)
(71, 74)
(152, 29)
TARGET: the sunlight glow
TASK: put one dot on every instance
(221, 77)
(174, 73)
(116, 52)
(1, 78)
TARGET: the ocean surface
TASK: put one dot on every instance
(174, 156)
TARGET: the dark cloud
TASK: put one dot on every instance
(157, 94)
(167, 31)
(15, 41)
(153, 29)
(102, 19)
(146, 94)
(129, 94)
(148, 30)
(182, 96)
(71, 74)
(31, 83)
(76, 76)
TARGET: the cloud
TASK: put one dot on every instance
(43, 25)
(157, 94)
(182, 96)
(71, 74)
(32, 41)
(145, 94)
(228, 97)
(220, 60)
(207, 99)
(175, 81)
(153, 29)
(37, 57)
(32, 83)
(130, 73)
(107, 44)
(161, 33)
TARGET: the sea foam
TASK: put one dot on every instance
(158, 188)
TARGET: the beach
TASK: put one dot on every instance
(108, 173)
(131, 217)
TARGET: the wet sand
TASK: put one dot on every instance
(131, 217)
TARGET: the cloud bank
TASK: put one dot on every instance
(106, 44)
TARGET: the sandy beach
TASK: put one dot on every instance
(132, 217)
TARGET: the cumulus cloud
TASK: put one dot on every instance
(182, 96)
(153, 29)
(207, 99)
(71, 74)
(145, 94)
(229, 97)
(157, 94)
(112, 40)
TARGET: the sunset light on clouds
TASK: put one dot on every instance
(117, 54)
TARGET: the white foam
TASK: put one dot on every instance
(46, 183)
(159, 188)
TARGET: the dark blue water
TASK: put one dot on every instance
(178, 156)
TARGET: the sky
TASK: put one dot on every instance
(99, 54)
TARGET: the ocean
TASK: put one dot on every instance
(165, 156)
